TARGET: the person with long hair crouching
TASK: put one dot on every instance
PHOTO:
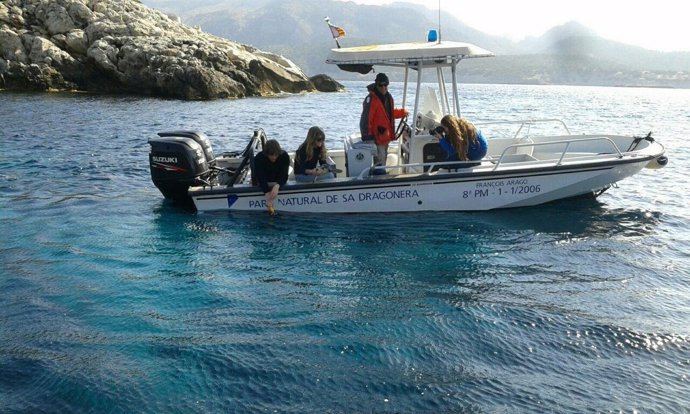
(312, 162)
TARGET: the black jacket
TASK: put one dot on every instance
(266, 171)
(301, 162)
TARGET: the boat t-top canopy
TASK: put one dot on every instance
(413, 55)
(406, 54)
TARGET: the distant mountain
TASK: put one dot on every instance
(542, 44)
(574, 39)
(569, 54)
(296, 28)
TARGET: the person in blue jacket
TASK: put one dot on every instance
(312, 154)
(461, 141)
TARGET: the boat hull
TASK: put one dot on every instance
(428, 192)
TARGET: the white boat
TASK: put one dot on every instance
(522, 168)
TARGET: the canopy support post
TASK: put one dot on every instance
(453, 70)
(407, 72)
(445, 103)
(416, 100)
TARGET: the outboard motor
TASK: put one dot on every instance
(178, 160)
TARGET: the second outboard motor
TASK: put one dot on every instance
(178, 160)
(197, 136)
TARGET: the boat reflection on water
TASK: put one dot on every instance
(582, 218)
(562, 220)
(459, 258)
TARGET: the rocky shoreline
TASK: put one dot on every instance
(122, 46)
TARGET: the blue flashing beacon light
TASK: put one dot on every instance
(432, 35)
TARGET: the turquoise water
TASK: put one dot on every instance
(113, 300)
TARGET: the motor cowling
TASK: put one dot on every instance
(199, 137)
(178, 160)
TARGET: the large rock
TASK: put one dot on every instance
(123, 46)
(324, 83)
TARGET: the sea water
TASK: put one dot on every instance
(114, 300)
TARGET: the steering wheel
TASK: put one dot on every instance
(402, 127)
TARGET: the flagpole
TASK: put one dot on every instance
(328, 22)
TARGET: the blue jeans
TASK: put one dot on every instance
(312, 178)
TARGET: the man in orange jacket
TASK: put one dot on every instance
(377, 122)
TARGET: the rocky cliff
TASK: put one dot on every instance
(122, 46)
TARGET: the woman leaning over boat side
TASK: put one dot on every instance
(461, 140)
(310, 155)
(270, 171)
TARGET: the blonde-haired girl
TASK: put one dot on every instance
(310, 155)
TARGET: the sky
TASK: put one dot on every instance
(657, 25)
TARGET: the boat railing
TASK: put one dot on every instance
(431, 167)
(511, 149)
(506, 157)
(526, 123)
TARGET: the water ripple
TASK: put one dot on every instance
(114, 300)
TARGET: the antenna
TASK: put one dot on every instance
(439, 21)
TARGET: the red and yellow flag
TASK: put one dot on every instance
(336, 31)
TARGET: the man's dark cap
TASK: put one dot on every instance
(381, 79)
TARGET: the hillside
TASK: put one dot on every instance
(568, 54)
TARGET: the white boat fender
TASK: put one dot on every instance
(657, 163)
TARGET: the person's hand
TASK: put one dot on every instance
(274, 191)
(271, 195)
(269, 203)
